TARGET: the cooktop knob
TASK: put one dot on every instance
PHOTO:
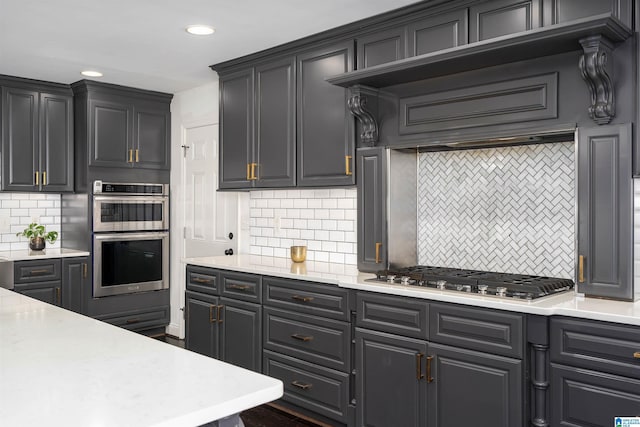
(404, 280)
(501, 291)
(391, 278)
(482, 289)
(440, 284)
(466, 288)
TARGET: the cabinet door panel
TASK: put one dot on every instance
(275, 124)
(388, 390)
(502, 17)
(325, 128)
(110, 133)
(488, 387)
(201, 334)
(437, 32)
(559, 11)
(76, 284)
(151, 127)
(605, 207)
(49, 292)
(372, 223)
(19, 139)
(583, 398)
(240, 334)
(381, 47)
(236, 129)
(56, 142)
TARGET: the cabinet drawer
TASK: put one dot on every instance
(480, 329)
(202, 279)
(398, 315)
(307, 297)
(36, 271)
(311, 338)
(606, 347)
(138, 319)
(588, 398)
(310, 386)
(242, 286)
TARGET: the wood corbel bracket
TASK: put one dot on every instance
(363, 104)
(593, 67)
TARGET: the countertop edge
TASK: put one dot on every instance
(568, 304)
(29, 255)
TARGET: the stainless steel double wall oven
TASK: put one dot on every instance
(130, 238)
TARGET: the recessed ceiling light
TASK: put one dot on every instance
(200, 30)
(91, 73)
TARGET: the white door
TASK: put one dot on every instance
(210, 217)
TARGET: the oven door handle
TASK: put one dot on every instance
(130, 236)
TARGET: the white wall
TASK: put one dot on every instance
(193, 107)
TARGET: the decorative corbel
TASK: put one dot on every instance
(363, 104)
(593, 67)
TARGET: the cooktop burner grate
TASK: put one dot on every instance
(505, 285)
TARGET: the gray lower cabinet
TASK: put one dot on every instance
(307, 344)
(605, 212)
(325, 128)
(437, 358)
(225, 328)
(595, 375)
(37, 137)
(63, 282)
(372, 221)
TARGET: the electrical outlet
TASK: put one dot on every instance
(276, 223)
(5, 224)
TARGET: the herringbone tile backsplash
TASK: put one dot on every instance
(509, 209)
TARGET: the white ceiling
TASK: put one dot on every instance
(142, 43)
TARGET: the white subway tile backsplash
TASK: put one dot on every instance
(322, 219)
(21, 208)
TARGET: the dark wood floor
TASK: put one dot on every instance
(261, 416)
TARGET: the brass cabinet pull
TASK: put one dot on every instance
(248, 171)
(253, 171)
(199, 280)
(347, 165)
(378, 246)
(220, 308)
(239, 287)
(303, 386)
(301, 298)
(137, 156)
(429, 377)
(304, 338)
(581, 269)
(130, 321)
(636, 355)
(419, 374)
(37, 178)
(130, 157)
(38, 272)
(44, 178)
(57, 295)
(211, 318)
(84, 269)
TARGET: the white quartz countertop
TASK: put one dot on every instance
(566, 304)
(27, 254)
(59, 368)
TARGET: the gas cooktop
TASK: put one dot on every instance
(503, 285)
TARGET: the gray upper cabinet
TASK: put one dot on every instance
(605, 212)
(325, 128)
(501, 17)
(442, 31)
(37, 139)
(372, 215)
(559, 11)
(380, 47)
(236, 129)
(257, 134)
(122, 128)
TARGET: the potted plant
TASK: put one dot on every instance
(37, 236)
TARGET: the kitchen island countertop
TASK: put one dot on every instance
(347, 276)
(59, 368)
